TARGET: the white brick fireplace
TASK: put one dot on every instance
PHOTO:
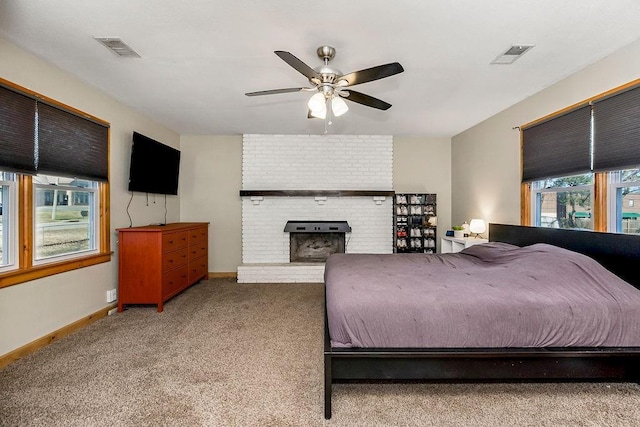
(312, 178)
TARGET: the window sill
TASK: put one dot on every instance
(18, 276)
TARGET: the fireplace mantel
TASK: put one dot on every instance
(315, 193)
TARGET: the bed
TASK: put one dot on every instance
(599, 337)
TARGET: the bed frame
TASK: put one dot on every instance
(619, 253)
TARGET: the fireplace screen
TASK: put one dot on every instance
(314, 241)
(315, 247)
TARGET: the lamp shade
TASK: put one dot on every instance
(317, 103)
(477, 226)
(338, 106)
(319, 114)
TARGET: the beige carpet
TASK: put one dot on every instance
(224, 354)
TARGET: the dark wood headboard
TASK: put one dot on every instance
(618, 253)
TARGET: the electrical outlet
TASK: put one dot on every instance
(112, 295)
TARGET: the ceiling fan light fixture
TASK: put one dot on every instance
(319, 114)
(317, 102)
(338, 106)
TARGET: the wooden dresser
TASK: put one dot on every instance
(157, 262)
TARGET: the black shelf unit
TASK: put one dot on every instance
(414, 223)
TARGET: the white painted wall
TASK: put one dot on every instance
(486, 158)
(317, 162)
(33, 309)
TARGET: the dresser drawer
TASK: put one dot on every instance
(174, 259)
(174, 280)
(198, 269)
(198, 235)
(197, 251)
(173, 241)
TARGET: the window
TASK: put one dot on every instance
(8, 235)
(64, 217)
(563, 202)
(599, 139)
(54, 190)
(624, 194)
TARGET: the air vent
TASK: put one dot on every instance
(511, 54)
(118, 47)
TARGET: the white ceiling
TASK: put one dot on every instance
(199, 57)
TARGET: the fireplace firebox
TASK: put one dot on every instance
(314, 241)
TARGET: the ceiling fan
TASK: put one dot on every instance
(331, 86)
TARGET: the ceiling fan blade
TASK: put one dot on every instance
(363, 99)
(300, 66)
(275, 91)
(373, 73)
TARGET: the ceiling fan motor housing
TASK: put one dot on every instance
(327, 53)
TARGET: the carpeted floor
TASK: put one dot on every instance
(224, 354)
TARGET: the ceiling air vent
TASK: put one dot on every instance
(511, 54)
(118, 47)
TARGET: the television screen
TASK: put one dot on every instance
(154, 166)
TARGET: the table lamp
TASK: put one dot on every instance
(477, 227)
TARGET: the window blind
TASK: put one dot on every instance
(558, 147)
(617, 131)
(17, 132)
(69, 145)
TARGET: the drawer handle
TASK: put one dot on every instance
(171, 242)
(171, 282)
(183, 256)
(170, 260)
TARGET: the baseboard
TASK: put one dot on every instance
(29, 348)
(223, 275)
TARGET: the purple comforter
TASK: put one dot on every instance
(490, 295)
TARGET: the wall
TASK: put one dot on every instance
(486, 157)
(317, 162)
(33, 309)
(312, 162)
(423, 165)
(210, 184)
(420, 164)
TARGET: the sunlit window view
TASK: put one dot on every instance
(564, 202)
(64, 216)
(626, 186)
(7, 191)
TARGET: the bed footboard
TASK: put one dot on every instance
(481, 365)
(328, 379)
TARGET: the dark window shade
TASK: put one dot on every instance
(558, 147)
(17, 132)
(617, 131)
(69, 145)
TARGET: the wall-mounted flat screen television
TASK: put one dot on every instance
(154, 166)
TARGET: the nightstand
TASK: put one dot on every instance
(456, 244)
